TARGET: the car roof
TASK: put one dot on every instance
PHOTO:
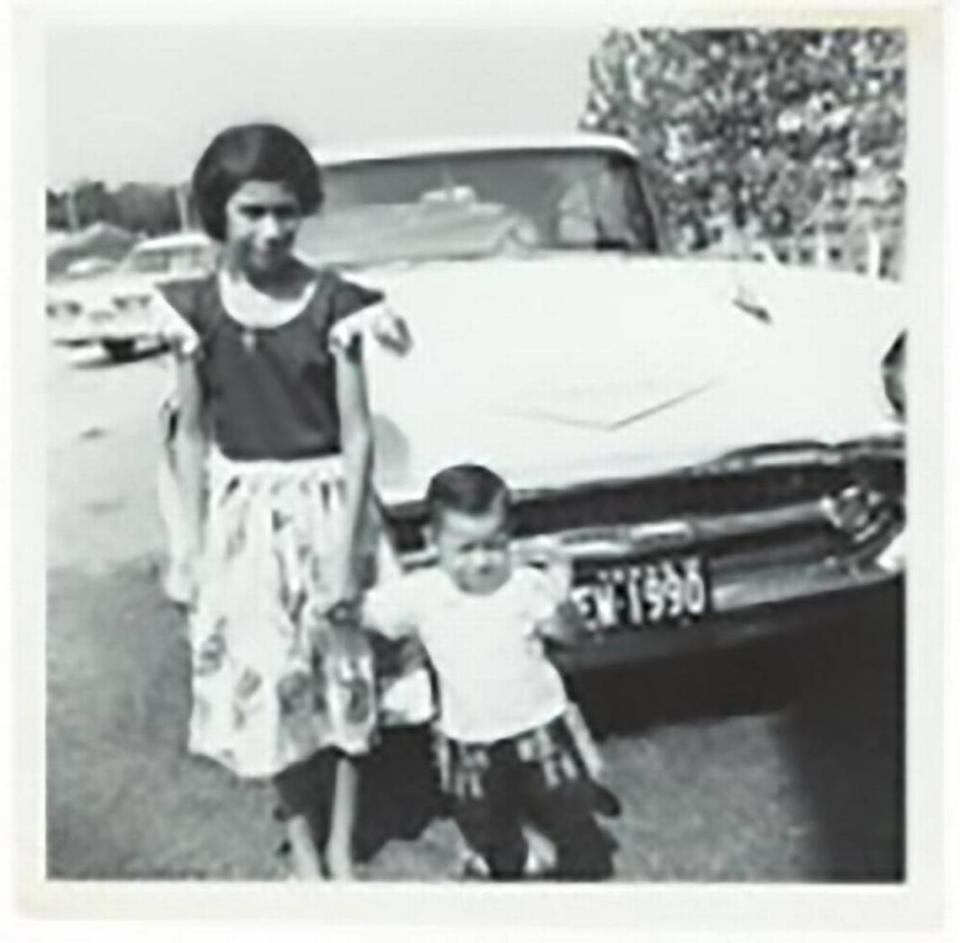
(578, 141)
(178, 240)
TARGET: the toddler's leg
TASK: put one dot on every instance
(491, 826)
(565, 813)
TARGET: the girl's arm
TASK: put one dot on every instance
(190, 448)
(357, 445)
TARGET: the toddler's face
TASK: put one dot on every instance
(474, 550)
(262, 220)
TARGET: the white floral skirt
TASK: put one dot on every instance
(272, 681)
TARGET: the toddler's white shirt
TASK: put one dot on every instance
(495, 679)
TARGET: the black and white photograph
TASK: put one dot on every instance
(477, 454)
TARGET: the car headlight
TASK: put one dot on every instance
(57, 309)
(893, 366)
(859, 512)
(131, 302)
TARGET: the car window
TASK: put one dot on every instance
(149, 262)
(187, 260)
(478, 204)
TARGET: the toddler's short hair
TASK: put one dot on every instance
(468, 489)
(252, 152)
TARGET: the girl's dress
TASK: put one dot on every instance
(266, 695)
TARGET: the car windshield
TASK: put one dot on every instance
(478, 204)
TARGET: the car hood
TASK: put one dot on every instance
(561, 370)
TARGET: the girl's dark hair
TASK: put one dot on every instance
(469, 489)
(252, 152)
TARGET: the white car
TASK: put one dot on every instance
(717, 445)
(115, 308)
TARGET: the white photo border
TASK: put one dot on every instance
(915, 905)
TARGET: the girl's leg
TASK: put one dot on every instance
(307, 865)
(302, 791)
(343, 816)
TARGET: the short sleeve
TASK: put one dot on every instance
(349, 298)
(387, 609)
(379, 321)
(174, 329)
(359, 311)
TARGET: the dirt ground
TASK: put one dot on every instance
(781, 763)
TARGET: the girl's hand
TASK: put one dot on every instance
(182, 584)
(338, 629)
(381, 322)
(390, 330)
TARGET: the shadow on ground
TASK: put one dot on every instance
(783, 762)
(124, 798)
(833, 696)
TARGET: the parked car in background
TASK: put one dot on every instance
(114, 307)
(88, 267)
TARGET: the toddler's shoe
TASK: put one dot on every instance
(473, 867)
(605, 802)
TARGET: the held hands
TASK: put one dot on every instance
(337, 630)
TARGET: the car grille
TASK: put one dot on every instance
(744, 510)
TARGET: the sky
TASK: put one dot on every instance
(141, 102)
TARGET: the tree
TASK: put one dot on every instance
(147, 208)
(57, 216)
(769, 128)
(151, 209)
(93, 203)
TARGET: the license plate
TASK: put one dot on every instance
(642, 593)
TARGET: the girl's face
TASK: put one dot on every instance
(262, 218)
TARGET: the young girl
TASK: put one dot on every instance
(273, 455)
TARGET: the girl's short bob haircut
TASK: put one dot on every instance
(252, 152)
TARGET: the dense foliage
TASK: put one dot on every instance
(149, 209)
(785, 134)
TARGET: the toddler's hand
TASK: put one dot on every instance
(336, 627)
